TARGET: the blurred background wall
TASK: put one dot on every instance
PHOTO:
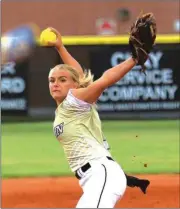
(80, 17)
(74, 18)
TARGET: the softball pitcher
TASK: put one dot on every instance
(78, 128)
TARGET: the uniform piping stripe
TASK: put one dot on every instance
(81, 172)
(103, 185)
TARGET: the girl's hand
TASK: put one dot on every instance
(58, 43)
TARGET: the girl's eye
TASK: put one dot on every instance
(63, 80)
(51, 81)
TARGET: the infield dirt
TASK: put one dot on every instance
(64, 192)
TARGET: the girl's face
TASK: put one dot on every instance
(60, 81)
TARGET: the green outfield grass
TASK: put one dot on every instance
(30, 149)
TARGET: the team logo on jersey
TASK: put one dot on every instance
(58, 130)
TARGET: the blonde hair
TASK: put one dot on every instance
(83, 81)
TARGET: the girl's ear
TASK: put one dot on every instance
(77, 85)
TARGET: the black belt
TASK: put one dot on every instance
(86, 167)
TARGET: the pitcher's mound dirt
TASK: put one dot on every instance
(64, 192)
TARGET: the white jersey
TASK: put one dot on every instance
(78, 128)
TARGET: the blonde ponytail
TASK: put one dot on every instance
(86, 79)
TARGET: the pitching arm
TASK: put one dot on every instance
(64, 54)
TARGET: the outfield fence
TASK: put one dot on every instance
(154, 95)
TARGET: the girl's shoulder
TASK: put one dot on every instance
(72, 102)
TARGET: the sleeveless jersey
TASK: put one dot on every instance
(78, 128)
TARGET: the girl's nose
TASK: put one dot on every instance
(56, 83)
